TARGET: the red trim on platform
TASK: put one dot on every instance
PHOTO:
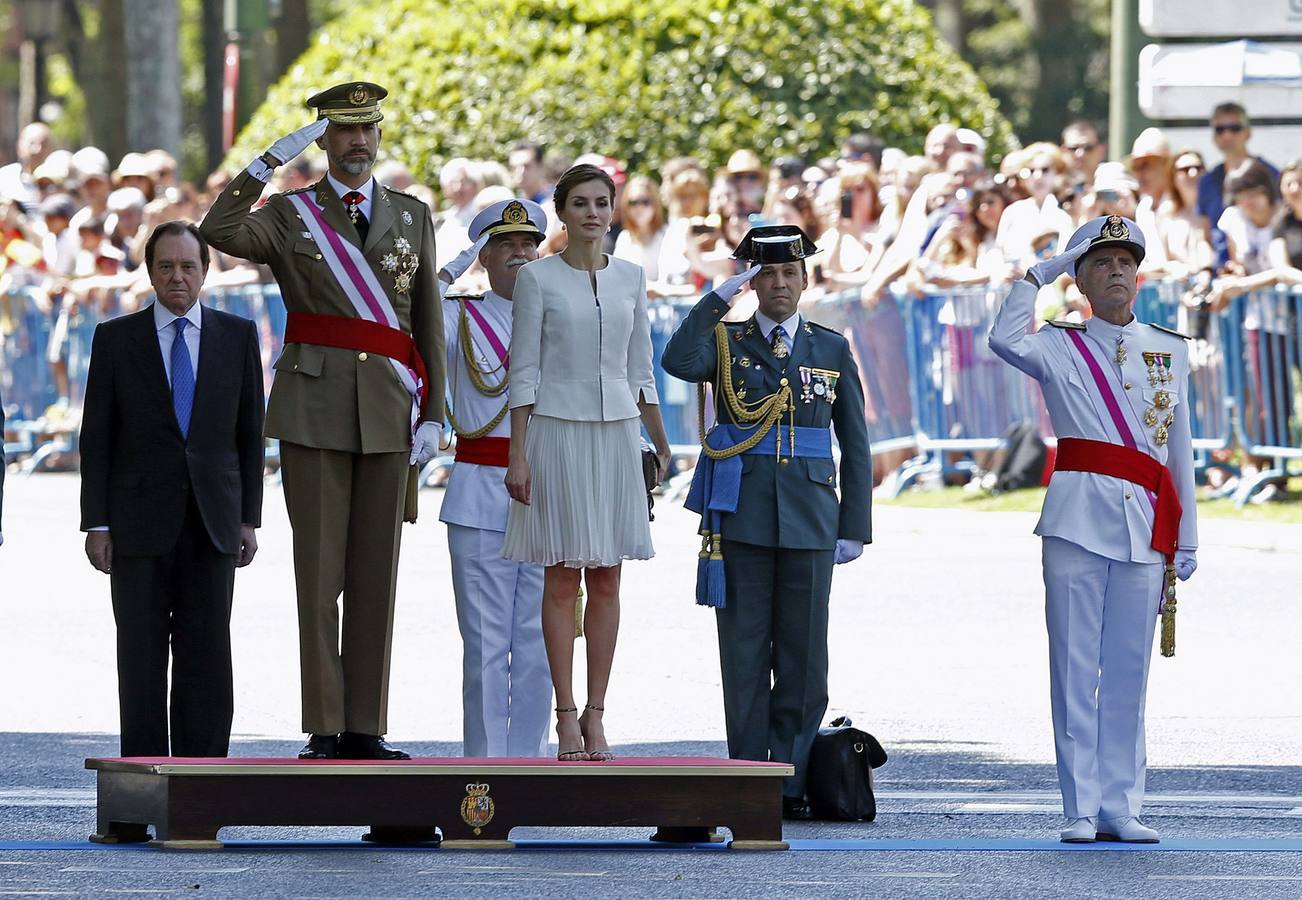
(465, 761)
(1103, 458)
(484, 451)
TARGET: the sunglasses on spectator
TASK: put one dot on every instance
(1079, 148)
(1232, 127)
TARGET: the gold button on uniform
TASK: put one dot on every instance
(783, 382)
(784, 461)
(829, 479)
(236, 192)
(361, 357)
(318, 256)
(1127, 385)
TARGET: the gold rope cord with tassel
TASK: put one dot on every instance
(1168, 613)
(477, 379)
(578, 613)
(761, 416)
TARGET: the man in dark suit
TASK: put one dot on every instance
(171, 492)
(766, 488)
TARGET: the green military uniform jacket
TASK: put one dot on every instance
(329, 397)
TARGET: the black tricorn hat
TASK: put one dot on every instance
(769, 244)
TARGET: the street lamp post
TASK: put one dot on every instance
(40, 23)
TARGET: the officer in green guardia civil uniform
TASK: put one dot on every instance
(357, 399)
(773, 523)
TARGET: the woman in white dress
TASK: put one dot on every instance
(581, 379)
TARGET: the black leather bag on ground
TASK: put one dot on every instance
(840, 780)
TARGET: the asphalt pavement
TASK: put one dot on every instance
(937, 648)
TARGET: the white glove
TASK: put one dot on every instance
(1185, 563)
(464, 260)
(729, 288)
(1047, 272)
(294, 143)
(425, 445)
(847, 551)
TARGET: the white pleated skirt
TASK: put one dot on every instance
(587, 498)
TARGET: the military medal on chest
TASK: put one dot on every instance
(1120, 356)
(1160, 416)
(402, 264)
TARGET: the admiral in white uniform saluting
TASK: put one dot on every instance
(1120, 505)
(506, 686)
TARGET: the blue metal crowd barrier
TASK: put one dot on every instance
(929, 379)
(1264, 381)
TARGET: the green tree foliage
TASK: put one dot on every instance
(1045, 61)
(642, 80)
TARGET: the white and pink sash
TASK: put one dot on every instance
(1117, 417)
(489, 335)
(359, 284)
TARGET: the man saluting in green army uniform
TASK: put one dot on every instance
(766, 487)
(357, 400)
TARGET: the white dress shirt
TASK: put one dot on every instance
(476, 494)
(367, 191)
(163, 319)
(789, 328)
(577, 356)
(1105, 515)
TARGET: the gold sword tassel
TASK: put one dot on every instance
(1168, 612)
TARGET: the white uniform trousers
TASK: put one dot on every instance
(506, 685)
(1101, 615)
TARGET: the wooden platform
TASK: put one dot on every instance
(474, 803)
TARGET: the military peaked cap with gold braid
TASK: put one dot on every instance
(509, 217)
(351, 103)
(1110, 231)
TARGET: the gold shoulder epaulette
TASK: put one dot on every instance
(1170, 331)
(1070, 326)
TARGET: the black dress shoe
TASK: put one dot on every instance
(367, 746)
(320, 746)
(797, 809)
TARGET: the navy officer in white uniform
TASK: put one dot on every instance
(506, 684)
(1119, 514)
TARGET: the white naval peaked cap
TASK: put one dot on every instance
(1106, 231)
(509, 217)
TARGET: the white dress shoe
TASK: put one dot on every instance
(1079, 831)
(1127, 831)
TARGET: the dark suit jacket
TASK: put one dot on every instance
(136, 469)
(793, 506)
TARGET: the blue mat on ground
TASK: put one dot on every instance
(947, 845)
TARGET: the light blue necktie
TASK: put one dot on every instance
(182, 378)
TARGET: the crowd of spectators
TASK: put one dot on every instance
(72, 227)
(880, 216)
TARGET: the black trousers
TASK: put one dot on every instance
(773, 653)
(182, 601)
